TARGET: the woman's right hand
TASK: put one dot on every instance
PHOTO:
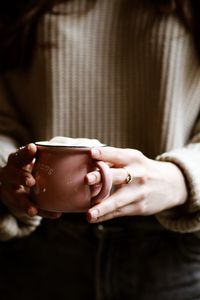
(16, 180)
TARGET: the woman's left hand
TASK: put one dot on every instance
(156, 186)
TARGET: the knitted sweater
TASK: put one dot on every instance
(117, 72)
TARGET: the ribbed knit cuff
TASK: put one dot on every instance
(10, 227)
(184, 218)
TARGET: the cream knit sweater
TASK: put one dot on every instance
(116, 72)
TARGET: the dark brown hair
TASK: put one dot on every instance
(19, 19)
(18, 23)
(189, 13)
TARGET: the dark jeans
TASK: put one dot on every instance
(127, 258)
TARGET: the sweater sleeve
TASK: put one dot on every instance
(185, 218)
(12, 133)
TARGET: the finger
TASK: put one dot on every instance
(23, 156)
(23, 202)
(28, 167)
(31, 209)
(19, 204)
(119, 199)
(119, 176)
(95, 190)
(26, 179)
(133, 209)
(23, 178)
(93, 178)
(48, 214)
(116, 156)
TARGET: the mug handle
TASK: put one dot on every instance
(106, 181)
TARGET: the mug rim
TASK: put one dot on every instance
(58, 145)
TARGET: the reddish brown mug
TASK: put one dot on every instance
(60, 173)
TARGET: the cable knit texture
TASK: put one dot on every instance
(10, 227)
(117, 72)
(187, 217)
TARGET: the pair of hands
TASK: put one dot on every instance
(156, 186)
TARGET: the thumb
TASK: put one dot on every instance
(23, 156)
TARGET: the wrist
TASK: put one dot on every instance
(180, 184)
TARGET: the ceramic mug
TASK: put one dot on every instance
(59, 172)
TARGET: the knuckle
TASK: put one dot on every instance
(19, 190)
(142, 207)
(129, 153)
(139, 156)
(144, 194)
(134, 154)
(117, 212)
(142, 179)
(119, 155)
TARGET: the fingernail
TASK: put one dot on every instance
(91, 178)
(96, 153)
(94, 214)
(31, 147)
(32, 211)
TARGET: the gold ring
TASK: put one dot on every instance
(129, 177)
